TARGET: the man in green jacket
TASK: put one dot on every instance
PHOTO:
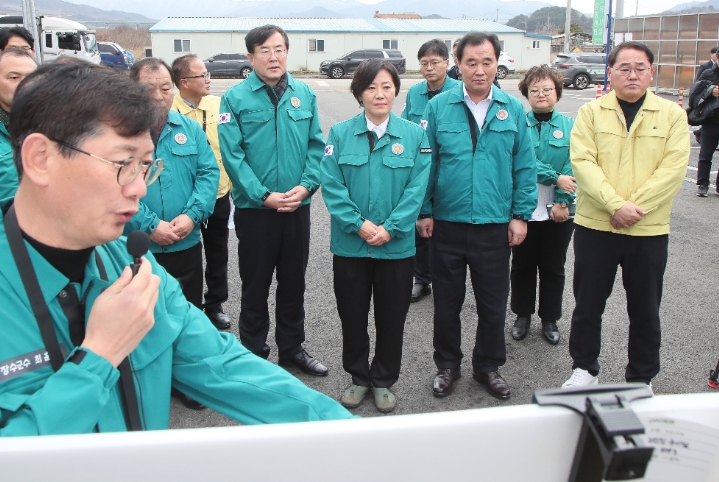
(97, 349)
(271, 143)
(184, 195)
(482, 189)
(433, 59)
(15, 65)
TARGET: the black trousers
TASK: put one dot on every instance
(215, 235)
(186, 267)
(272, 242)
(356, 282)
(422, 272)
(485, 249)
(544, 250)
(708, 143)
(643, 260)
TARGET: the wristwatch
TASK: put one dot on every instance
(518, 216)
(563, 205)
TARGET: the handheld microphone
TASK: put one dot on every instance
(138, 242)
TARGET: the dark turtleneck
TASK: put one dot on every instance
(70, 262)
(630, 109)
(542, 117)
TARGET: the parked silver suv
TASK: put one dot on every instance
(581, 69)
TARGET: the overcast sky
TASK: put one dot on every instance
(645, 7)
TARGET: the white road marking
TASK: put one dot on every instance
(322, 83)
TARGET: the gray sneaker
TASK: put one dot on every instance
(702, 190)
(353, 396)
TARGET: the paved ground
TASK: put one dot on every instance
(690, 336)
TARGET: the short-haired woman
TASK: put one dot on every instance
(374, 178)
(551, 227)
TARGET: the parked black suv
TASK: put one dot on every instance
(348, 63)
(581, 69)
(229, 65)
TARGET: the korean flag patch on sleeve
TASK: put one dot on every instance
(423, 124)
(224, 118)
(329, 150)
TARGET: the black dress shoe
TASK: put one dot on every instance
(306, 363)
(550, 332)
(521, 327)
(220, 320)
(444, 381)
(188, 402)
(419, 291)
(494, 383)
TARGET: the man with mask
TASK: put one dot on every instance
(184, 195)
(271, 144)
(15, 65)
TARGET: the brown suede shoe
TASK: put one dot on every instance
(444, 381)
(494, 383)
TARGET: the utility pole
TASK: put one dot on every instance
(567, 27)
(619, 13)
(30, 23)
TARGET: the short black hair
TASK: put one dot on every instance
(181, 67)
(365, 74)
(478, 38)
(150, 63)
(630, 45)
(715, 49)
(540, 72)
(7, 33)
(71, 101)
(433, 47)
(15, 52)
(258, 35)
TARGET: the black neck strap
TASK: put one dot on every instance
(46, 324)
(472, 126)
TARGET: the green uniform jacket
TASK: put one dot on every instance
(498, 181)
(183, 349)
(552, 148)
(417, 99)
(270, 149)
(385, 186)
(8, 172)
(187, 184)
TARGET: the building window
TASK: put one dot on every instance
(501, 45)
(316, 45)
(535, 44)
(448, 43)
(390, 44)
(182, 45)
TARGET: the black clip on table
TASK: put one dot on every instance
(609, 446)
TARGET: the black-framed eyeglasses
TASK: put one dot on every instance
(128, 169)
(206, 76)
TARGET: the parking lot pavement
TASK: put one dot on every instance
(690, 338)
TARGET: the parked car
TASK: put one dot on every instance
(229, 65)
(506, 65)
(348, 63)
(581, 69)
(112, 55)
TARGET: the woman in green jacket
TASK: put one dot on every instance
(374, 177)
(551, 226)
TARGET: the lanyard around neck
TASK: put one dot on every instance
(46, 324)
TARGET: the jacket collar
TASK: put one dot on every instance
(360, 125)
(174, 118)
(609, 101)
(456, 95)
(180, 104)
(553, 121)
(256, 84)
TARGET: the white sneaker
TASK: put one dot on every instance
(580, 378)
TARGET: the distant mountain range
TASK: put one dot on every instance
(80, 13)
(490, 10)
(708, 6)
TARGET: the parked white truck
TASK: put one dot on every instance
(60, 37)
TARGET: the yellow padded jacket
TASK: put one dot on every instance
(210, 106)
(645, 166)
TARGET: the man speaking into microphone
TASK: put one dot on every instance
(85, 346)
